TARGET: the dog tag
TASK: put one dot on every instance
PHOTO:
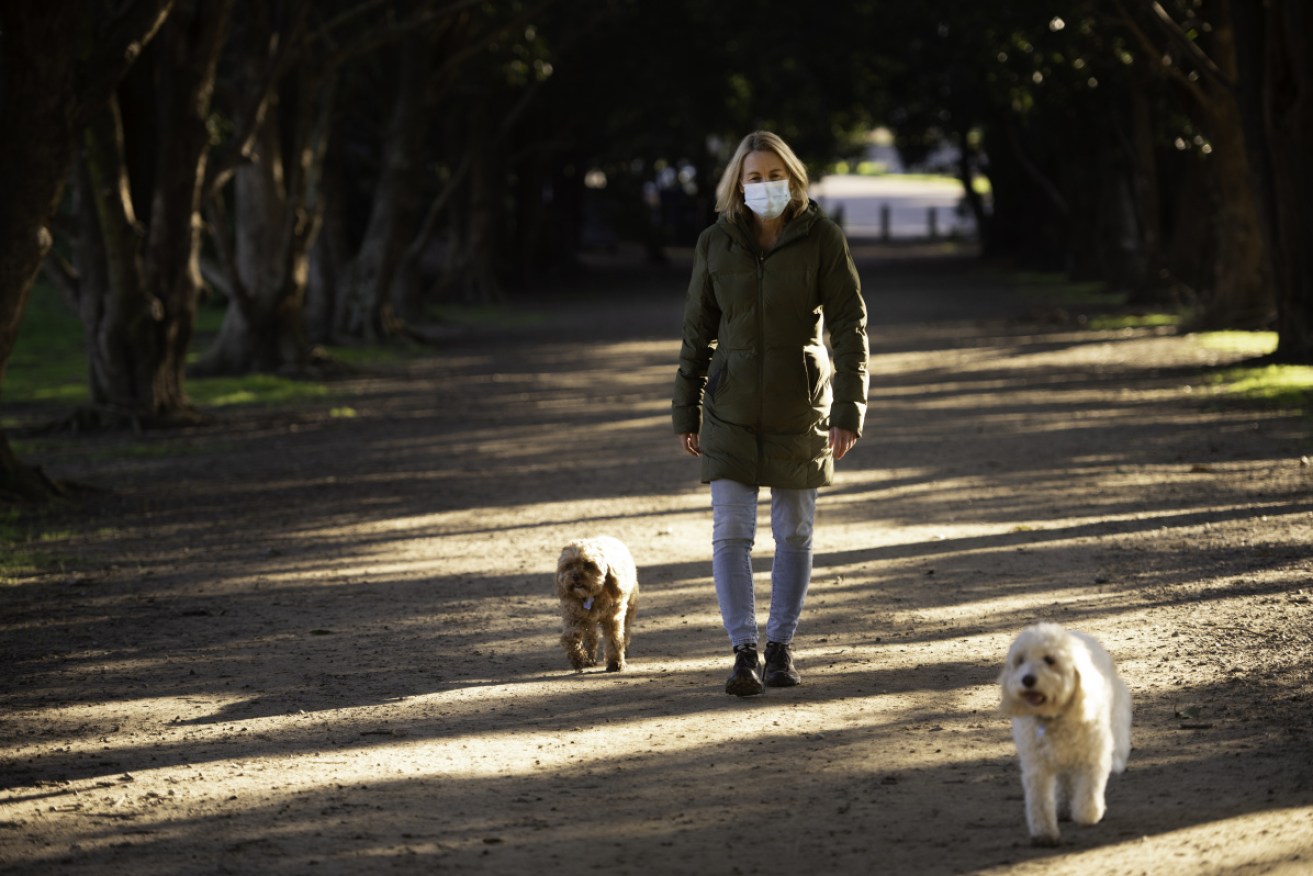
(588, 604)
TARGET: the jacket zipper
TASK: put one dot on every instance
(761, 358)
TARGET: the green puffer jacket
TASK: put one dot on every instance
(755, 380)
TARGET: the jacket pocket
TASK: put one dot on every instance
(817, 362)
(716, 381)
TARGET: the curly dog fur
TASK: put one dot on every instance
(1071, 721)
(597, 583)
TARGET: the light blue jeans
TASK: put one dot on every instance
(734, 530)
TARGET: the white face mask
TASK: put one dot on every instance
(767, 199)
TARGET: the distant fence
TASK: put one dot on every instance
(892, 207)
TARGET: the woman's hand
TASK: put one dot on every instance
(689, 442)
(841, 441)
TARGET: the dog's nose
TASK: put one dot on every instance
(1028, 680)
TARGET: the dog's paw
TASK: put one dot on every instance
(581, 661)
(615, 666)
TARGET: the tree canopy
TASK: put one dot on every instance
(332, 168)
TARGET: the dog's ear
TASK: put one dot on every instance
(1088, 697)
(562, 581)
(611, 583)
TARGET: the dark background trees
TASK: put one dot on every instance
(329, 170)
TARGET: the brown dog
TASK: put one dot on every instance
(597, 584)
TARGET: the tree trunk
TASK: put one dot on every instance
(39, 85)
(1288, 111)
(112, 301)
(1145, 197)
(471, 274)
(188, 57)
(139, 276)
(966, 173)
(278, 210)
(330, 256)
(1241, 296)
(366, 312)
(43, 48)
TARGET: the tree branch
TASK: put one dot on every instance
(62, 273)
(1188, 46)
(287, 46)
(1152, 50)
(116, 48)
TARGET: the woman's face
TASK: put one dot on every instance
(762, 167)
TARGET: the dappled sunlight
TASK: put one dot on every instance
(1278, 842)
(348, 654)
(505, 519)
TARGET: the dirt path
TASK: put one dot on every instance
(327, 644)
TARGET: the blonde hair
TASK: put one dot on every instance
(729, 194)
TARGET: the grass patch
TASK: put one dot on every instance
(1056, 289)
(49, 361)
(1286, 387)
(19, 557)
(216, 392)
(1244, 343)
(396, 353)
(1118, 322)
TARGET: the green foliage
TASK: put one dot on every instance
(1057, 290)
(1287, 387)
(48, 366)
(1113, 322)
(49, 359)
(1246, 343)
(19, 554)
(248, 389)
(859, 168)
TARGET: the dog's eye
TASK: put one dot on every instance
(1049, 660)
(1021, 658)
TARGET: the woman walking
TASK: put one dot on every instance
(757, 397)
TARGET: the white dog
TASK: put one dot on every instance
(1071, 721)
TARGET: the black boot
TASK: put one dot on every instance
(779, 666)
(745, 680)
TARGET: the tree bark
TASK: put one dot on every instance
(365, 311)
(471, 274)
(278, 210)
(139, 273)
(1288, 114)
(50, 85)
(1241, 294)
(39, 86)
